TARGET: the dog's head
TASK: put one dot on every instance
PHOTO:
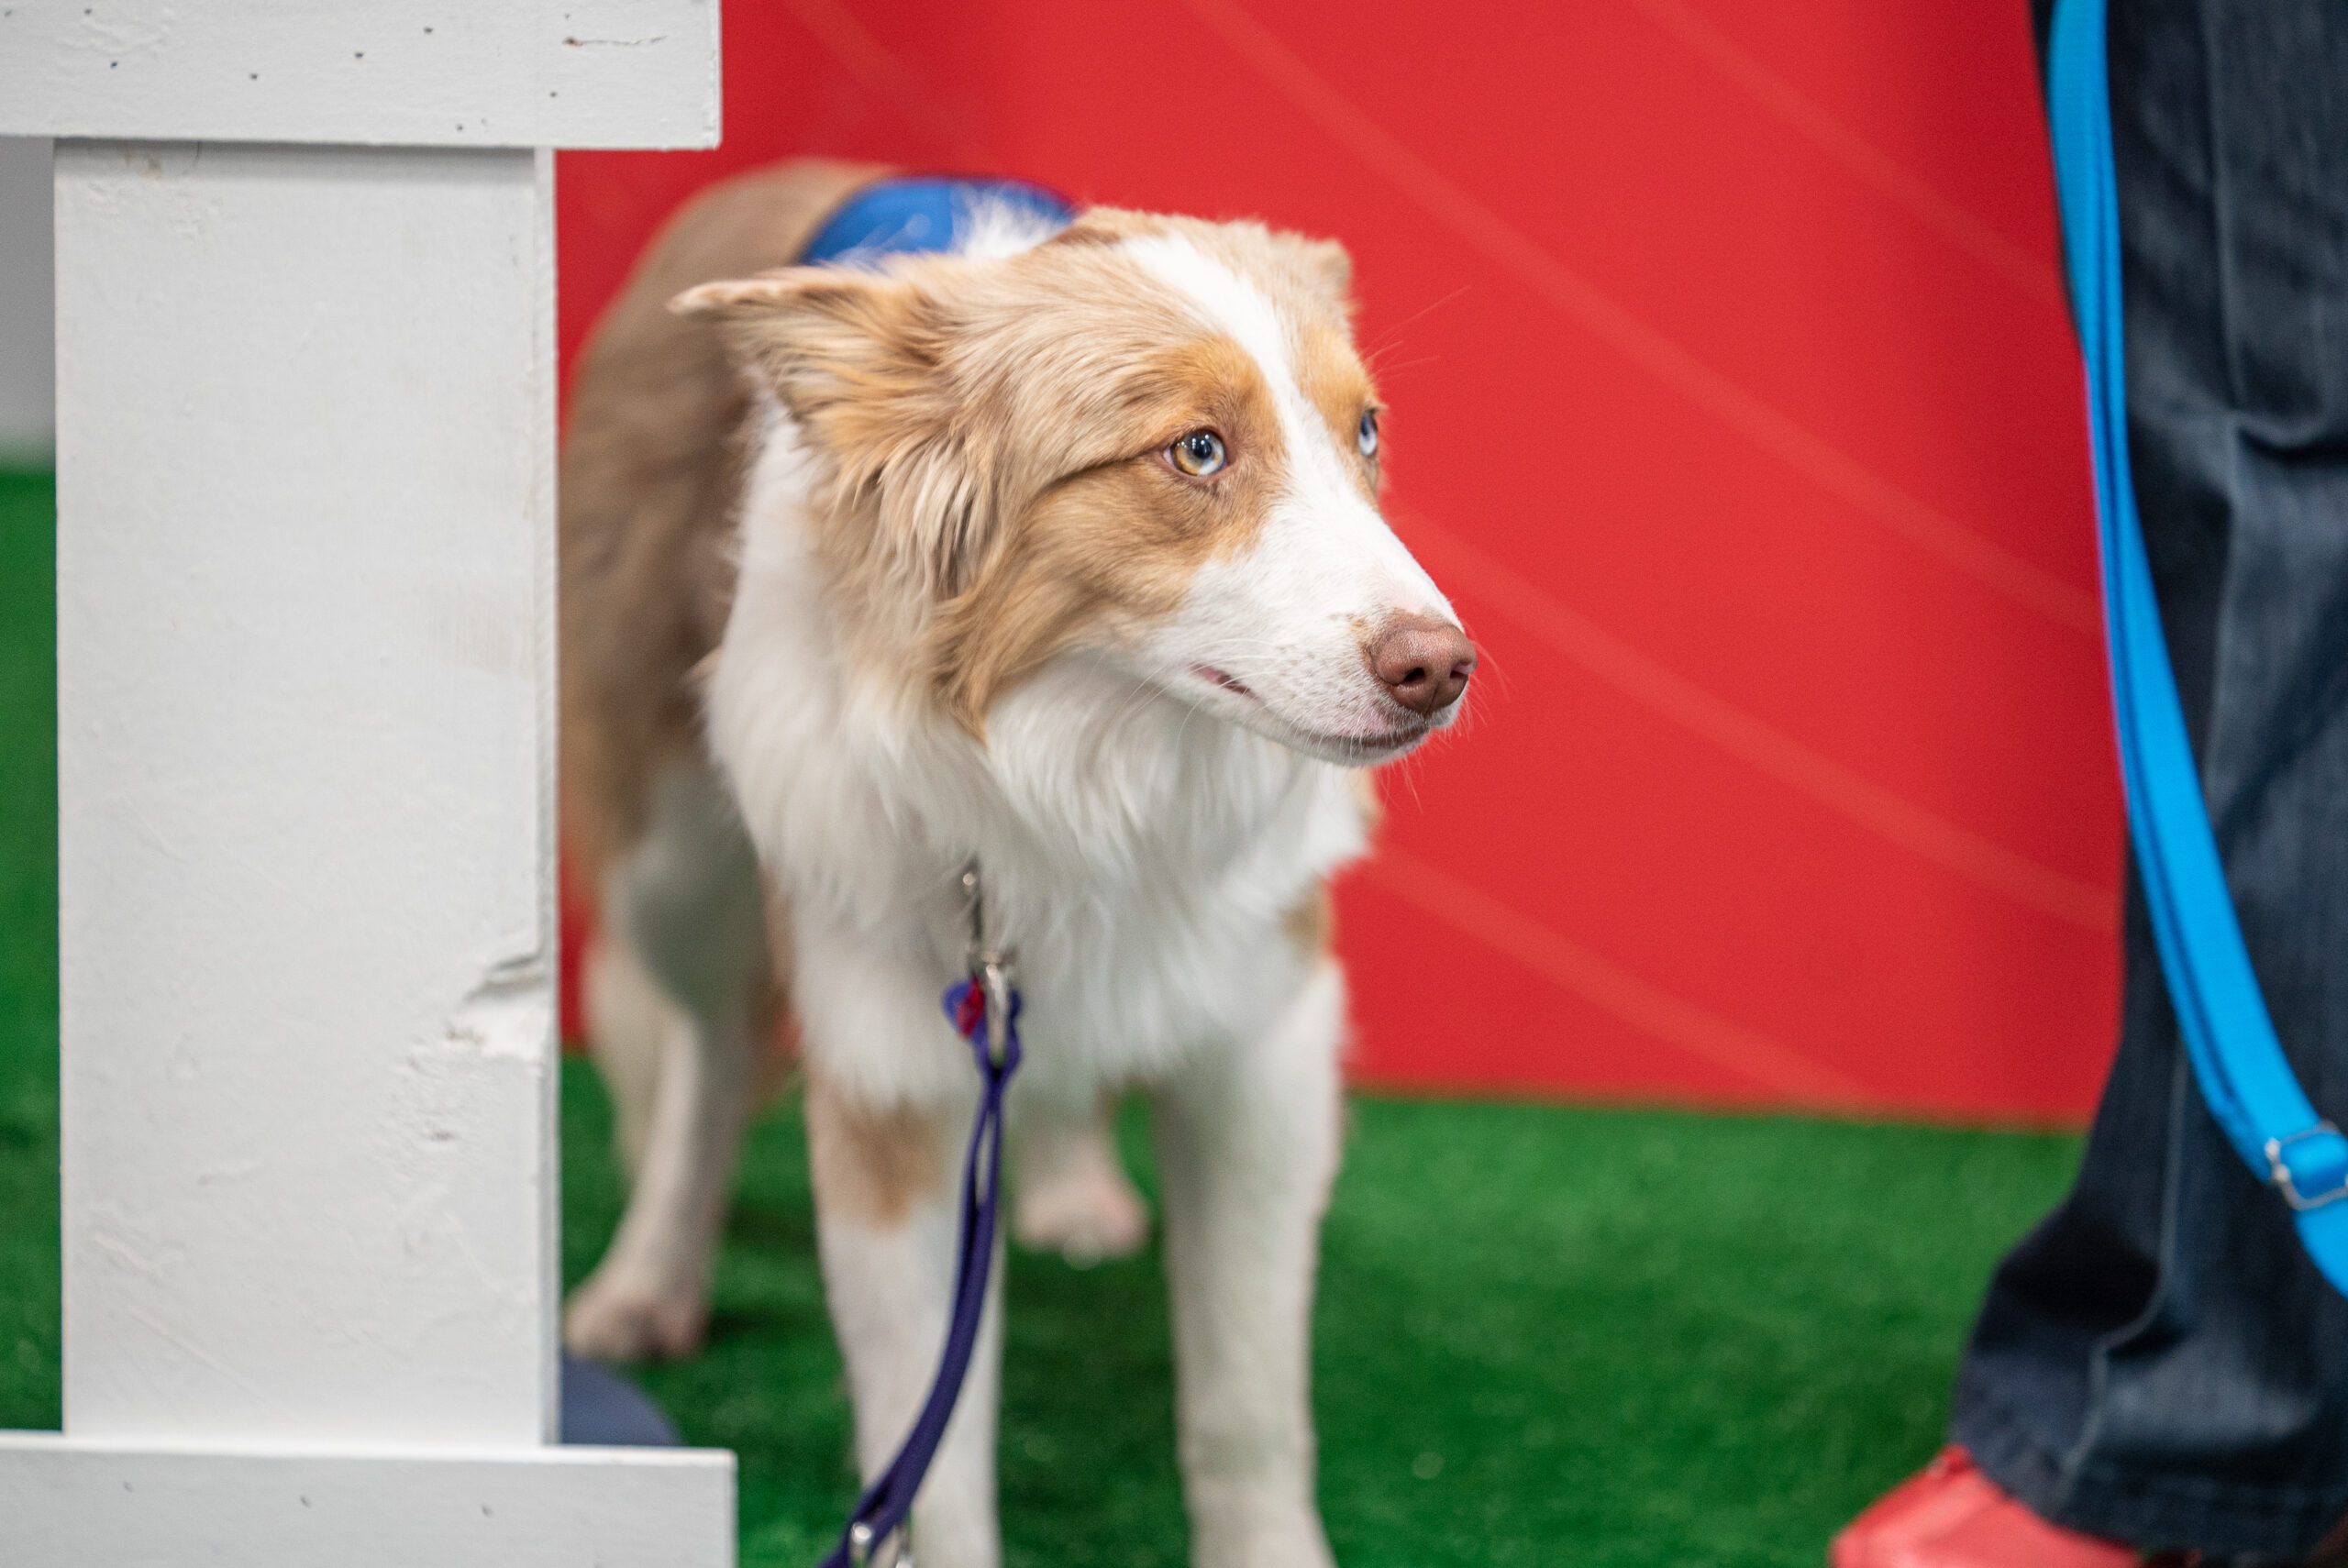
(1147, 438)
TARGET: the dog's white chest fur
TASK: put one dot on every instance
(1145, 860)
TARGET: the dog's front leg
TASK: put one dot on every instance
(1247, 1142)
(887, 1216)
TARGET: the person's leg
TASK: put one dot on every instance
(2159, 1363)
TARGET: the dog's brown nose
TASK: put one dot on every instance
(1423, 662)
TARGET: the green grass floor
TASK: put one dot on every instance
(1545, 1335)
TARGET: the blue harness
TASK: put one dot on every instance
(930, 215)
(2237, 1059)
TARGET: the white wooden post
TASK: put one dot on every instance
(306, 679)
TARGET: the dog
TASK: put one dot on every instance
(1058, 552)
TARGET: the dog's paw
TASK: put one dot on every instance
(613, 1318)
(1085, 1211)
(1260, 1538)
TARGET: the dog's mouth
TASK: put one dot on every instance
(1357, 750)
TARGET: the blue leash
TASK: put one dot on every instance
(888, 216)
(984, 1010)
(2236, 1056)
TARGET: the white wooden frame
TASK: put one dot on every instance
(306, 744)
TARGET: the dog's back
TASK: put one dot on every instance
(650, 477)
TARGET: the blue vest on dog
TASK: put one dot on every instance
(922, 212)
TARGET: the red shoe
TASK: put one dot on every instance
(1949, 1515)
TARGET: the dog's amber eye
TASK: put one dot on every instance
(1197, 454)
(1365, 437)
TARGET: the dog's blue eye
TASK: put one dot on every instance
(1197, 454)
(1367, 436)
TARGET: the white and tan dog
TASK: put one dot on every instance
(1061, 552)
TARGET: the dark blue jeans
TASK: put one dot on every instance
(2158, 1362)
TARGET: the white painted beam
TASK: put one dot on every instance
(112, 1506)
(306, 416)
(512, 73)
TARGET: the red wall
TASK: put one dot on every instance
(1734, 404)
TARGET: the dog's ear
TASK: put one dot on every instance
(1106, 226)
(859, 360)
(1326, 267)
(830, 342)
(1322, 264)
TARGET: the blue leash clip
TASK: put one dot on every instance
(2309, 1168)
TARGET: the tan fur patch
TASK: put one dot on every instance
(1312, 924)
(1335, 381)
(1115, 546)
(871, 1166)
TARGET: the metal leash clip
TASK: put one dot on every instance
(860, 1544)
(2287, 1180)
(994, 970)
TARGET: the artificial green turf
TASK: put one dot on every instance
(29, 1269)
(1545, 1335)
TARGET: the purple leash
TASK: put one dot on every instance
(984, 1010)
